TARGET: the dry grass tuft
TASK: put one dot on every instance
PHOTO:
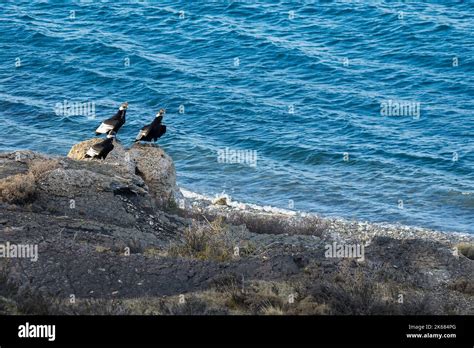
(18, 189)
(270, 310)
(355, 292)
(258, 297)
(154, 252)
(21, 301)
(204, 241)
(463, 285)
(39, 168)
(21, 188)
(467, 249)
(277, 224)
(101, 249)
(192, 306)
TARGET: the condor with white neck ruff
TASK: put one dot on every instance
(114, 123)
(154, 130)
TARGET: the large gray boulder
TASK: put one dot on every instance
(149, 162)
(157, 169)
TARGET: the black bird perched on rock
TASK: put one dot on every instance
(154, 130)
(102, 149)
(114, 123)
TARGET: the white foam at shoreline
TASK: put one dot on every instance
(239, 205)
(194, 196)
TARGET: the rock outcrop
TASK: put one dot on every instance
(157, 170)
(78, 151)
(148, 161)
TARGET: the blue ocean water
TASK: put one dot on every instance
(301, 84)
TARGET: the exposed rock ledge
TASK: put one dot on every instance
(109, 233)
(151, 163)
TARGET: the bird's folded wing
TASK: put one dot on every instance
(92, 152)
(143, 132)
(106, 126)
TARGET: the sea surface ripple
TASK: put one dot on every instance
(299, 83)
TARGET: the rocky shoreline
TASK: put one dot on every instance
(119, 237)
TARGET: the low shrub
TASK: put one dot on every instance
(278, 223)
(18, 189)
(204, 241)
(38, 168)
(467, 249)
